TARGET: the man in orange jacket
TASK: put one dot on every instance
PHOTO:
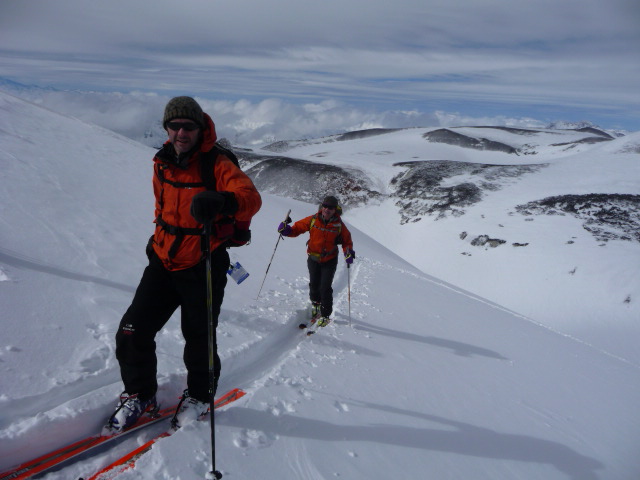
(194, 183)
(326, 231)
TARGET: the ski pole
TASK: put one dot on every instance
(272, 255)
(212, 335)
(349, 290)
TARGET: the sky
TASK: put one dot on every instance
(491, 60)
(415, 374)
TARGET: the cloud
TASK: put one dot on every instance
(252, 24)
(554, 57)
(137, 115)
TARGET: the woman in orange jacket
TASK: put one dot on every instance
(326, 232)
(194, 183)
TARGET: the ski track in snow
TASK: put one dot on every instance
(250, 367)
(254, 365)
(261, 361)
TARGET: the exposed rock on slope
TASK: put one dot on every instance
(450, 137)
(428, 188)
(606, 216)
(308, 181)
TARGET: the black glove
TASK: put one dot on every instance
(206, 205)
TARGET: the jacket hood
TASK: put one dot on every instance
(209, 136)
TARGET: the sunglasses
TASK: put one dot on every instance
(188, 126)
(328, 207)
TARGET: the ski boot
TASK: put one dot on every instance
(189, 409)
(324, 321)
(129, 411)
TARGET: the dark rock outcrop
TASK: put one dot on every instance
(444, 135)
(307, 181)
(606, 216)
(425, 188)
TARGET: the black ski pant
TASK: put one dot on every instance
(158, 296)
(320, 280)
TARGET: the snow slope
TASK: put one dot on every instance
(561, 276)
(424, 379)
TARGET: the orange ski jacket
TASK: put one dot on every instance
(177, 237)
(324, 237)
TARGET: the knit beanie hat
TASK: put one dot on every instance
(331, 201)
(183, 107)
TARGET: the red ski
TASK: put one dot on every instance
(52, 459)
(129, 460)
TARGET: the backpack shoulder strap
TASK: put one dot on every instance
(339, 237)
(208, 161)
(227, 153)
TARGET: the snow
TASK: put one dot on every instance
(564, 278)
(424, 380)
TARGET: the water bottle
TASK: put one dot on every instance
(237, 272)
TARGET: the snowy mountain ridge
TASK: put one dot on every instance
(426, 186)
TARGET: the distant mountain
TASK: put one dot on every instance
(442, 187)
(21, 89)
(585, 126)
